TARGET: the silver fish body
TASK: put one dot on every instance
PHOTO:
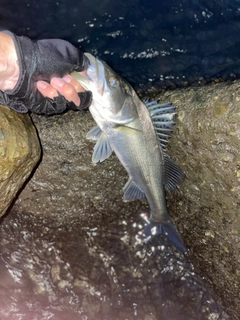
(133, 131)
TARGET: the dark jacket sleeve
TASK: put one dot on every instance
(42, 60)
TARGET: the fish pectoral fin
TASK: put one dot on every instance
(102, 149)
(132, 191)
(94, 134)
(174, 175)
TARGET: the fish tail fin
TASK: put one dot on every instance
(164, 228)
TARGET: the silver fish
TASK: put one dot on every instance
(138, 135)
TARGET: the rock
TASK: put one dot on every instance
(19, 154)
(67, 190)
(205, 143)
(66, 177)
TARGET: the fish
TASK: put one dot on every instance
(138, 134)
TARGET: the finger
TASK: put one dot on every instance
(66, 90)
(69, 79)
(84, 73)
(46, 89)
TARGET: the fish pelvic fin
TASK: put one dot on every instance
(102, 149)
(132, 191)
(174, 175)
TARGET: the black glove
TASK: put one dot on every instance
(43, 60)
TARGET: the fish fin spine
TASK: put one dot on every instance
(162, 118)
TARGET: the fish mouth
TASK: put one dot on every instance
(84, 81)
(94, 80)
(90, 82)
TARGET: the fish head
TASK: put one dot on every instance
(113, 97)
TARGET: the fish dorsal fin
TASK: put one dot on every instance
(94, 133)
(162, 118)
(174, 175)
(132, 192)
(102, 149)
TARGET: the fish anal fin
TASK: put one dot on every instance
(132, 191)
(174, 175)
(102, 149)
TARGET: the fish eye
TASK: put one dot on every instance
(113, 82)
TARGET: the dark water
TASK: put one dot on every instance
(162, 43)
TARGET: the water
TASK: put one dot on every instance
(151, 43)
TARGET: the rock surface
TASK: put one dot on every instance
(206, 143)
(67, 190)
(19, 154)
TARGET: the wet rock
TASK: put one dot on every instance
(206, 144)
(19, 154)
(67, 191)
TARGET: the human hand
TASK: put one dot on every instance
(67, 86)
(39, 81)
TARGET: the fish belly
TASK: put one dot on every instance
(139, 152)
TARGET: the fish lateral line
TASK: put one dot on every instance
(126, 129)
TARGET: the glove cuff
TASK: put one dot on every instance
(14, 97)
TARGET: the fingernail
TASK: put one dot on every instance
(57, 82)
(67, 78)
(42, 85)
